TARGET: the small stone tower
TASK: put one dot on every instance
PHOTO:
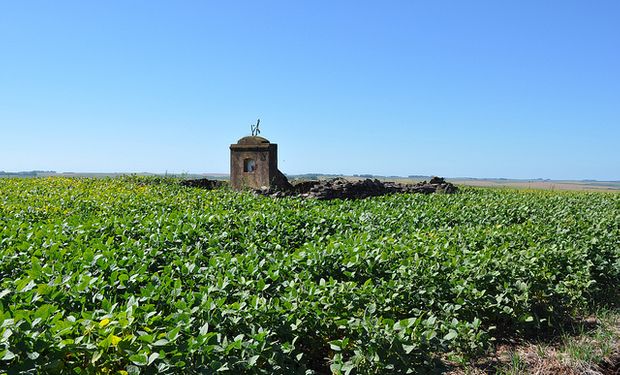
(254, 165)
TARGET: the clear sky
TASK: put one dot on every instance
(516, 89)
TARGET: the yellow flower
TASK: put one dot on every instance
(104, 322)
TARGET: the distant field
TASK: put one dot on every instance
(541, 184)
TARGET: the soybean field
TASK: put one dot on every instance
(136, 275)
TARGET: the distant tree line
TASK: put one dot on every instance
(26, 173)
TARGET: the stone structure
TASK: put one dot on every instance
(204, 183)
(340, 188)
(254, 165)
(337, 188)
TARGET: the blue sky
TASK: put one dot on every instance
(517, 89)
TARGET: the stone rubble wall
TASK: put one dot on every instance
(338, 188)
(204, 183)
(280, 182)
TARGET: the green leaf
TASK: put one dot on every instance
(33, 355)
(146, 338)
(6, 334)
(139, 359)
(161, 342)
(337, 345)
(204, 329)
(173, 334)
(25, 285)
(153, 357)
(7, 355)
(450, 335)
(224, 367)
(95, 357)
(253, 359)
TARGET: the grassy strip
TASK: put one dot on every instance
(588, 346)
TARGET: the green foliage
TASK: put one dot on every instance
(136, 276)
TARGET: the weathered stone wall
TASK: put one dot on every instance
(337, 188)
(340, 188)
(204, 183)
(262, 169)
(280, 182)
(265, 157)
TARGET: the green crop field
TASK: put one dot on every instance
(141, 275)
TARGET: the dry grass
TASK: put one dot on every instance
(590, 347)
(541, 185)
